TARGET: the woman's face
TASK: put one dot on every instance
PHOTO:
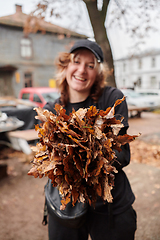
(81, 72)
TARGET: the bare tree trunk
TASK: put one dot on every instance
(97, 19)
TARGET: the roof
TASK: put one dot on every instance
(149, 52)
(19, 19)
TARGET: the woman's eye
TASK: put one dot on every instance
(76, 61)
(90, 66)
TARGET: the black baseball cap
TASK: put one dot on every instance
(92, 46)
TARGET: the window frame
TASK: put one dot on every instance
(139, 63)
(153, 81)
(26, 47)
(28, 80)
(153, 62)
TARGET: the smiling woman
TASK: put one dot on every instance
(81, 76)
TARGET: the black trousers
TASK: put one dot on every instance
(123, 227)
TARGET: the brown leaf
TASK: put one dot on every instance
(76, 152)
(75, 196)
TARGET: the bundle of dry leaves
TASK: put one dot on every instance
(77, 151)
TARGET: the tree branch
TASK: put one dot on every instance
(104, 9)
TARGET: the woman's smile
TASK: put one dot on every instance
(81, 79)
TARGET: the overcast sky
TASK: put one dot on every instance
(120, 42)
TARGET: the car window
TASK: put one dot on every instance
(51, 96)
(36, 98)
(149, 93)
(25, 96)
(132, 94)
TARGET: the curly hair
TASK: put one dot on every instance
(61, 64)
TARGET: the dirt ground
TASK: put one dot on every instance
(22, 196)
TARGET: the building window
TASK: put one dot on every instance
(140, 64)
(153, 82)
(139, 82)
(124, 67)
(28, 79)
(153, 63)
(26, 47)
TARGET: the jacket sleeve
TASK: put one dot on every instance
(123, 157)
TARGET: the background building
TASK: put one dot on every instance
(28, 60)
(139, 72)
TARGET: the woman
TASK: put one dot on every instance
(81, 80)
